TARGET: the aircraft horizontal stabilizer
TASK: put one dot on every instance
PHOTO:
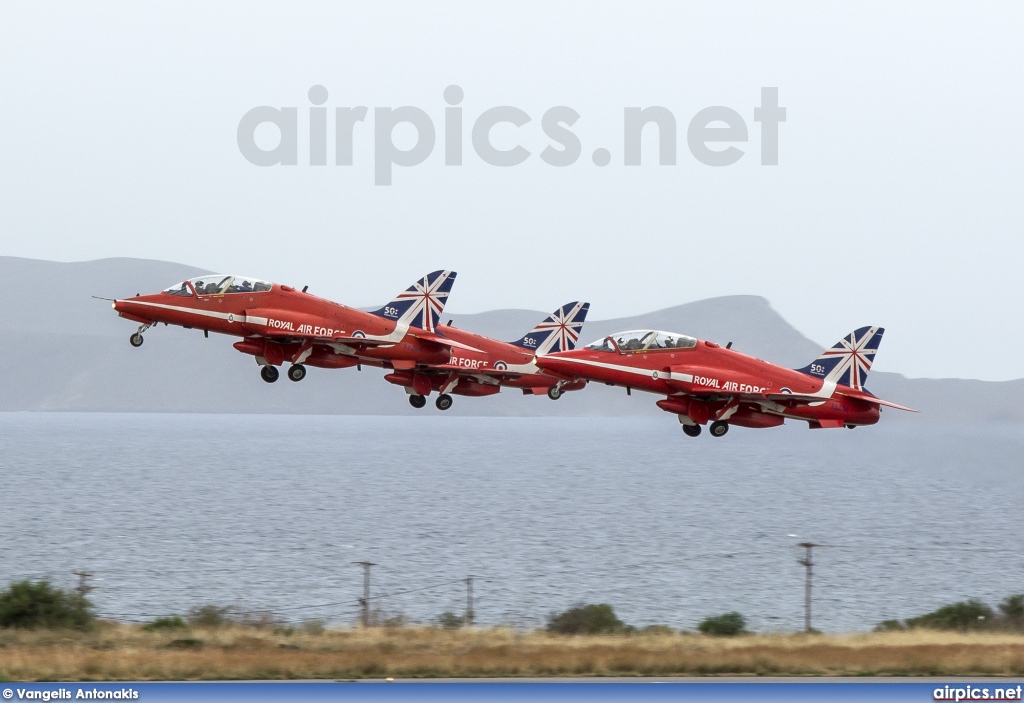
(868, 398)
(438, 339)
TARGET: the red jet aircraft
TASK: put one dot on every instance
(279, 324)
(704, 382)
(481, 366)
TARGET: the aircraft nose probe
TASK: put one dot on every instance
(136, 339)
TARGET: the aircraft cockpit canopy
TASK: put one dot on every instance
(219, 284)
(643, 340)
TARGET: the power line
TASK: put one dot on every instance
(416, 590)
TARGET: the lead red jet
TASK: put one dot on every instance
(705, 383)
(279, 324)
(481, 365)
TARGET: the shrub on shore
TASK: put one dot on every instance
(209, 616)
(969, 615)
(589, 619)
(450, 621)
(28, 605)
(725, 625)
(173, 622)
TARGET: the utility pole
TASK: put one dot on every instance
(808, 563)
(469, 601)
(83, 588)
(365, 600)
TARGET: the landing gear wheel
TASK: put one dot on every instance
(691, 430)
(136, 340)
(296, 372)
(554, 392)
(270, 373)
(719, 428)
(444, 401)
(417, 401)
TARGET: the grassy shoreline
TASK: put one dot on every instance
(126, 652)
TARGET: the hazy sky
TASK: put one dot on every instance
(897, 199)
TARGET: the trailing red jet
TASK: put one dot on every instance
(705, 383)
(279, 324)
(481, 365)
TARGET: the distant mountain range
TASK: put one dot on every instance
(66, 351)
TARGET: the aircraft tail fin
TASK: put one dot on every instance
(421, 304)
(559, 331)
(848, 361)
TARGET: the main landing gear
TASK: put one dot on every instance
(136, 339)
(443, 402)
(270, 373)
(296, 372)
(555, 392)
(717, 429)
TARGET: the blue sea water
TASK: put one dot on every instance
(268, 513)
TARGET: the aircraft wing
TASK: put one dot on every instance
(513, 370)
(794, 397)
(362, 341)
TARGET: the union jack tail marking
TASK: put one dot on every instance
(420, 305)
(558, 332)
(848, 362)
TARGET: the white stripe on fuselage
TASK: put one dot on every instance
(826, 391)
(648, 373)
(230, 317)
(396, 335)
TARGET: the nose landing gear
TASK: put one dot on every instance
(136, 339)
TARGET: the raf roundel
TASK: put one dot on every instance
(500, 366)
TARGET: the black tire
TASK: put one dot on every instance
(417, 401)
(443, 402)
(296, 372)
(719, 428)
(270, 374)
(554, 392)
(691, 430)
(136, 340)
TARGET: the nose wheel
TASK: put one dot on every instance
(719, 428)
(691, 430)
(296, 372)
(270, 374)
(417, 401)
(136, 339)
(555, 392)
(444, 401)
